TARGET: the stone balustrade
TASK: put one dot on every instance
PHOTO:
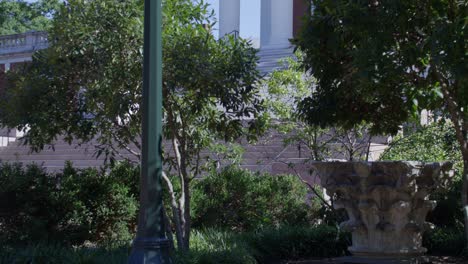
(23, 43)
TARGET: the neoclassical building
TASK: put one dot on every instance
(268, 23)
(16, 50)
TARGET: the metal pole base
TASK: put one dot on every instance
(150, 251)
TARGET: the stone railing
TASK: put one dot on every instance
(23, 43)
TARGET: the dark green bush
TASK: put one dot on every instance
(445, 241)
(270, 245)
(241, 200)
(207, 246)
(295, 243)
(33, 211)
(70, 207)
(59, 254)
(99, 206)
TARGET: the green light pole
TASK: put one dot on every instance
(151, 244)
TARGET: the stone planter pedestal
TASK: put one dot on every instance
(386, 202)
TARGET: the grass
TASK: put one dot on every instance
(212, 246)
(207, 246)
(57, 254)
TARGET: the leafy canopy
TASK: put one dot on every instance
(434, 142)
(384, 61)
(19, 16)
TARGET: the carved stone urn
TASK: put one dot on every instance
(387, 203)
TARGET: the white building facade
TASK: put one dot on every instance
(269, 24)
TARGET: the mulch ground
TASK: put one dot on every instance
(427, 260)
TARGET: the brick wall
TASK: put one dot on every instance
(17, 66)
(300, 9)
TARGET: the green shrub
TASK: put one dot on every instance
(241, 200)
(271, 245)
(99, 206)
(70, 207)
(34, 212)
(207, 246)
(295, 243)
(445, 241)
(434, 143)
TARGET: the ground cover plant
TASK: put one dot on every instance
(270, 245)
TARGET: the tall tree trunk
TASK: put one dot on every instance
(460, 122)
(187, 216)
(175, 211)
(465, 189)
(184, 201)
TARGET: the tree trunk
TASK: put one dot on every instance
(465, 191)
(167, 225)
(175, 211)
(460, 122)
(187, 216)
(462, 136)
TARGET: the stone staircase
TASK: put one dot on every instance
(258, 157)
(53, 157)
(270, 58)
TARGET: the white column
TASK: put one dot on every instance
(229, 16)
(214, 7)
(7, 66)
(250, 21)
(276, 23)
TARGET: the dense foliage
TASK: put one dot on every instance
(241, 200)
(433, 142)
(92, 205)
(445, 241)
(70, 207)
(19, 16)
(383, 61)
(52, 211)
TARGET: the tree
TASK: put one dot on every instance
(384, 61)
(18, 16)
(87, 86)
(285, 88)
